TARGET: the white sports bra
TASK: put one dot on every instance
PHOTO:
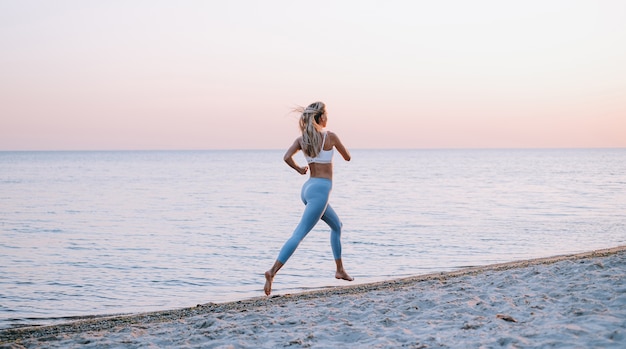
(324, 157)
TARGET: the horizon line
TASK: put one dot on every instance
(276, 149)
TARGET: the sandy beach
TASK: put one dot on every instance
(569, 301)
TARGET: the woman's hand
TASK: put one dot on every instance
(295, 147)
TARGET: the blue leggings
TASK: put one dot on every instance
(315, 193)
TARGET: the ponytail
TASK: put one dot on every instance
(311, 130)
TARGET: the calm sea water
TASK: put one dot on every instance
(86, 233)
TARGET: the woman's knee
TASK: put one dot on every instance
(335, 227)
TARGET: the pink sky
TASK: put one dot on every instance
(82, 75)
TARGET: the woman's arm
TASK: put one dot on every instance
(295, 147)
(340, 147)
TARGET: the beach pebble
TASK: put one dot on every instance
(504, 317)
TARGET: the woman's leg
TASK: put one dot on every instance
(315, 204)
(332, 219)
(315, 197)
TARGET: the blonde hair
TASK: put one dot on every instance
(310, 127)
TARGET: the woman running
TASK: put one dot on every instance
(318, 148)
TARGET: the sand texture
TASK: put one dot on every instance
(571, 301)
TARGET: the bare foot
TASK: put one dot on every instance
(268, 283)
(342, 275)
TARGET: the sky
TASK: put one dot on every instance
(154, 74)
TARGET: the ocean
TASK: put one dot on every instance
(97, 233)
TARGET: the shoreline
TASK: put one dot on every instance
(262, 304)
